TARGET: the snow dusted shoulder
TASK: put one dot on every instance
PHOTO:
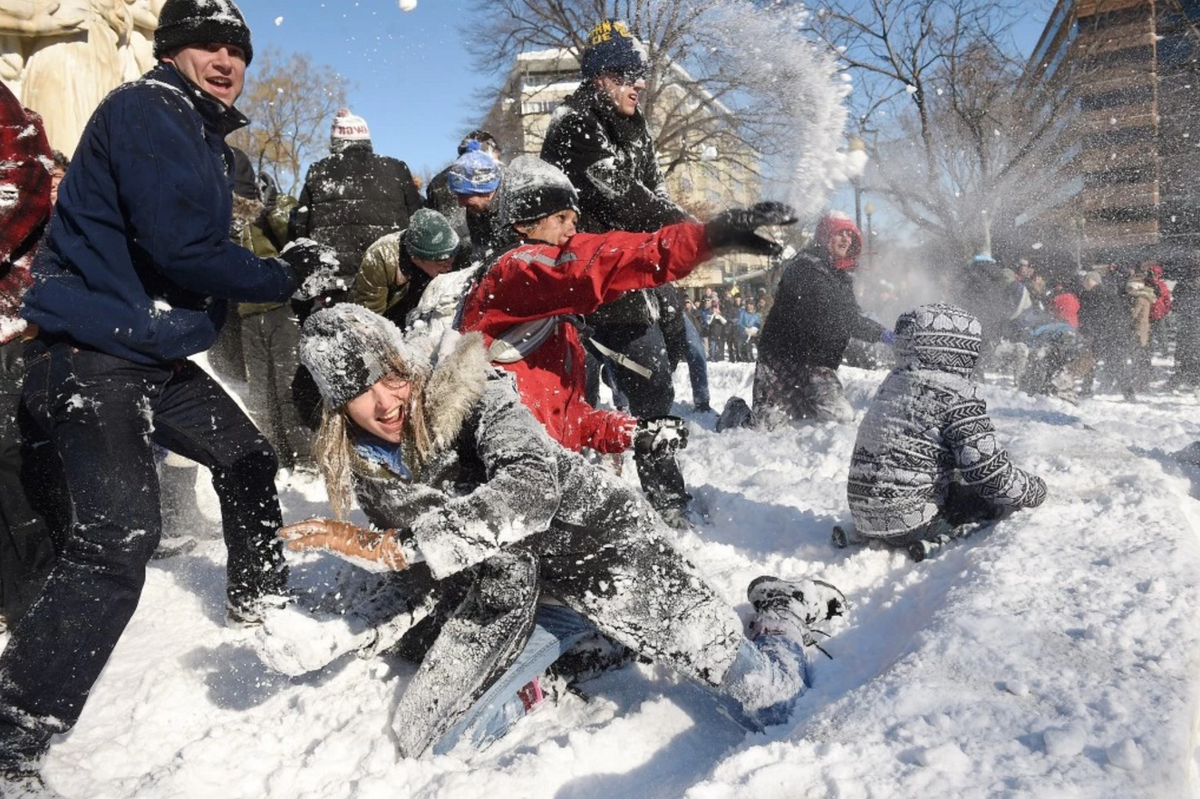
(1053, 656)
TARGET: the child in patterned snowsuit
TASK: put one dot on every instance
(926, 459)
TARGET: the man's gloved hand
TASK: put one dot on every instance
(660, 435)
(354, 543)
(888, 337)
(734, 228)
(316, 268)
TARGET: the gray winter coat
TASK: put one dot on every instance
(502, 506)
(927, 421)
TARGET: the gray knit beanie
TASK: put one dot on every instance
(347, 348)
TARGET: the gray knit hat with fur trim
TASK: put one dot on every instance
(348, 349)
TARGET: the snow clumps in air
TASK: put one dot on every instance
(802, 81)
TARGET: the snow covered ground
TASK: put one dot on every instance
(1054, 656)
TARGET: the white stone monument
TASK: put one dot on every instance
(61, 57)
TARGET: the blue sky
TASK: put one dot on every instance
(410, 77)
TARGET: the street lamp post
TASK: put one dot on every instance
(869, 247)
(860, 146)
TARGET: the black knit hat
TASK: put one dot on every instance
(188, 22)
(612, 48)
(534, 189)
(486, 141)
(348, 348)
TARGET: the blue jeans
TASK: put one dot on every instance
(770, 660)
(772, 670)
(557, 629)
(103, 415)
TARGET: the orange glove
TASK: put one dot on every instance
(347, 540)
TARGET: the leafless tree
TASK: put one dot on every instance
(290, 102)
(958, 132)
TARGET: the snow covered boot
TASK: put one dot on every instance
(792, 607)
(294, 642)
(248, 612)
(25, 785)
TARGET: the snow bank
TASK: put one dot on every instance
(1055, 656)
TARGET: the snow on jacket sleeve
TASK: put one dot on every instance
(519, 497)
(158, 144)
(377, 273)
(590, 270)
(612, 192)
(606, 431)
(983, 463)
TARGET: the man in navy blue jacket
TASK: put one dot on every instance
(135, 274)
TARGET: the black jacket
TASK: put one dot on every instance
(1104, 316)
(815, 314)
(612, 164)
(352, 198)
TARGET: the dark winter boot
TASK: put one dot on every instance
(791, 608)
(662, 481)
(736, 414)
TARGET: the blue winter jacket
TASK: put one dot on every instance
(138, 262)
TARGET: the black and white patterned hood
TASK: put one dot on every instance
(938, 336)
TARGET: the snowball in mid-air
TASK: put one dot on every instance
(408, 5)
(278, 21)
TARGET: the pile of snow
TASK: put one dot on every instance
(1054, 656)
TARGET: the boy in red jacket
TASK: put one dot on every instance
(528, 306)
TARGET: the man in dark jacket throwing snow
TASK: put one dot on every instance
(135, 275)
(598, 137)
(813, 319)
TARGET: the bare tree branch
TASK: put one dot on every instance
(290, 102)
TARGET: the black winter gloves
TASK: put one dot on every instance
(660, 435)
(315, 266)
(733, 229)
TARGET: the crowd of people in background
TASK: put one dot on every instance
(555, 269)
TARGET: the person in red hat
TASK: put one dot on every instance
(813, 319)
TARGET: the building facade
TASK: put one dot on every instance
(1128, 149)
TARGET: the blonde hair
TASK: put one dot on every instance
(334, 446)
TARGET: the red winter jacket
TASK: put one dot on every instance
(1065, 306)
(540, 281)
(1162, 303)
(25, 182)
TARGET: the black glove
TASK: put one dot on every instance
(734, 228)
(315, 266)
(660, 435)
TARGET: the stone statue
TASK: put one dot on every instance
(61, 57)
(139, 55)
